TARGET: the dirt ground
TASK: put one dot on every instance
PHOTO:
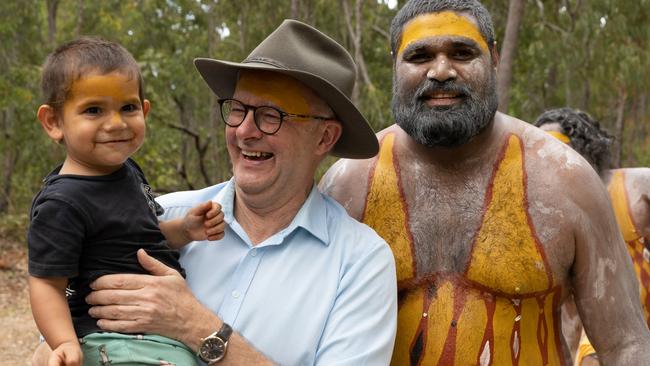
(18, 333)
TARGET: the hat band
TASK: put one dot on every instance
(264, 60)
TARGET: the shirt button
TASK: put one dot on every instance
(235, 294)
(253, 252)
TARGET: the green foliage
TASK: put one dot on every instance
(13, 227)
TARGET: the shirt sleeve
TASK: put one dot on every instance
(362, 324)
(55, 239)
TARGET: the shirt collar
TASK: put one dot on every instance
(312, 215)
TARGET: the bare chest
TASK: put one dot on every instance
(481, 228)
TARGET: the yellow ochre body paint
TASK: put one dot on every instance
(446, 23)
(503, 309)
(635, 246)
(635, 242)
(95, 87)
(560, 136)
(284, 91)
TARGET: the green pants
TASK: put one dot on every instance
(113, 349)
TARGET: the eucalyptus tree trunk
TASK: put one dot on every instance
(354, 24)
(52, 6)
(508, 51)
(620, 127)
(80, 18)
(10, 158)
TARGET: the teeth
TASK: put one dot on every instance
(255, 154)
(444, 96)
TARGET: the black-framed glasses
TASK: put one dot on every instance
(267, 119)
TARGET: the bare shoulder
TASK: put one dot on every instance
(552, 157)
(344, 175)
(637, 184)
(556, 172)
(638, 178)
(347, 182)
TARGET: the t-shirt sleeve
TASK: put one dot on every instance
(55, 239)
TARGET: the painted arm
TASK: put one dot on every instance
(645, 214)
(605, 288)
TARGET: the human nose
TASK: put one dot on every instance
(441, 69)
(115, 121)
(248, 128)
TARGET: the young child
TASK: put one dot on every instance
(96, 210)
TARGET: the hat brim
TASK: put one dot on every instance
(357, 141)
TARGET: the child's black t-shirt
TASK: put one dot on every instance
(83, 227)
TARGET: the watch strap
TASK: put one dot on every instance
(225, 332)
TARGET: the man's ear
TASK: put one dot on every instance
(146, 105)
(50, 122)
(331, 133)
(494, 54)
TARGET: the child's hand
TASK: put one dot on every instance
(204, 222)
(66, 354)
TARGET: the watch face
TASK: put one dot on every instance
(212, 349)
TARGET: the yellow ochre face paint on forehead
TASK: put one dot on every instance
(445, 23)
(283, 91)
(113, 85)
(560, 136)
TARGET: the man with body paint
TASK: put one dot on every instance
(629, 192)
(491, 221)
(295, 280)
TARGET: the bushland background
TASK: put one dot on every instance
(587, 54)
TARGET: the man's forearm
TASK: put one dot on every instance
(239, 352)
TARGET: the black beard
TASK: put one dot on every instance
(444, 126)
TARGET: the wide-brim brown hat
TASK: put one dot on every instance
(306, 54)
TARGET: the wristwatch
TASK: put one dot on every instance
(213, 347)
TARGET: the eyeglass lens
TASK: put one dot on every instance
(267, 119)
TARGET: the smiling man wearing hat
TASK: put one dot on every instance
(295, 280)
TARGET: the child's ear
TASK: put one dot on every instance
(146, 105)
(50, 122)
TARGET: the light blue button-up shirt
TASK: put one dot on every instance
(322, 291)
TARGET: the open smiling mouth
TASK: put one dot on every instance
(443, 97)
(256, 155)
(442, 100)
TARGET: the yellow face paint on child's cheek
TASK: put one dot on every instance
(445, 23)
(116, 86)
(285, 92)
(560, 136)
